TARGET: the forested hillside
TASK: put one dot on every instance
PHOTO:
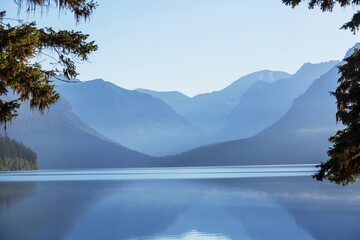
(16, 156)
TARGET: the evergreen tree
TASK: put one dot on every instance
(21, 43)
(16, 156)
(343, 166)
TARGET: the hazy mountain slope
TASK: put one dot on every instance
(315, 110)
(279, 148)
(300, 136)
(264, 103)
(208, 111)
(172, 98)
(133, 119)
(62, 140)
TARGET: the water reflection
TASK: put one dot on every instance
(13, 191)
(211, 209)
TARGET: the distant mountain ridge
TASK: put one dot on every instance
(172, 98)
(96, 122)
(300, 136)
(264, 103)
(315, 110)
(208, 111)
(133, 119)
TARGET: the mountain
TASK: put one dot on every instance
(279, 148)
(133, 119)
(300, 136)
(264, 103)
(315, 110)
(173, 98)
(208, 111)
(61, 140)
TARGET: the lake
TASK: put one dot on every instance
(205, 203)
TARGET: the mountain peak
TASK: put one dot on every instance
(244, 82)
(97, 80)
(309, 66)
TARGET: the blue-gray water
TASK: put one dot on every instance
(218, 203)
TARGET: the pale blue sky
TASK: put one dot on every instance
(197, 46)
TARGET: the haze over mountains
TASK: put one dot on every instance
(264, 103)
(133, 119)
(247, 106)
(287, 119)
(315, 110)
(208, 111)
(61, 140)
(300, 136)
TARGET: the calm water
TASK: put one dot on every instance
(266, 202)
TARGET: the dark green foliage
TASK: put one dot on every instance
(13, 164)
(16, 156)
(22, 44)
(343, 167)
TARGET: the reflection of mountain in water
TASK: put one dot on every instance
(11, 192)
(45, 211)
(256, 208)
(237, 214)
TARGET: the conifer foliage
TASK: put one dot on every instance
(22, 44)
(343, 166)
(15, 156)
